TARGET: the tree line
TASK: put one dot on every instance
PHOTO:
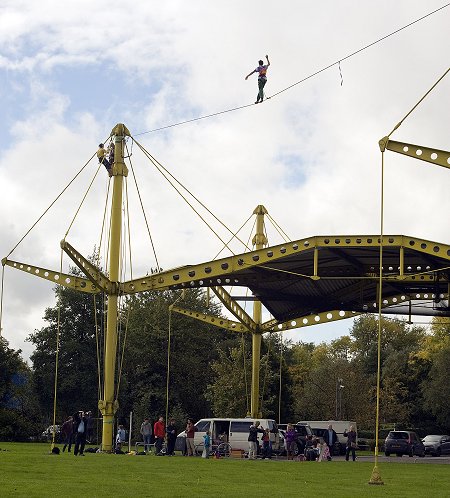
(210, 368)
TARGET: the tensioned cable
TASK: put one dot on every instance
(82, 200)
(420, 100)
(143, 212)
(51, 205)
(104, 217)
(280, 381)
(266, 370)
(1, 298)
(355, 277)
(58, 330)
(376, 478)
(248, 244)
(100, 390)
(131, 277)
(247, 404)
(361, 49)
(169, 339)
(302, 80)
(195, 119)
(163, 170)
(277, 227)
(234, 235)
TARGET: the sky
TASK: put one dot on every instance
(70, 71)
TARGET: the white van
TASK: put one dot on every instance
(234, 431)
(340, 426)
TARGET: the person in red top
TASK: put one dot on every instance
(262, 78)
(159, 431)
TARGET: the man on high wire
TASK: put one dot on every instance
(262, 78)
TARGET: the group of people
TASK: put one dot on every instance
(253, 441)
(77, 429)
(313, 449)
(160, 433)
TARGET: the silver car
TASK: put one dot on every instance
(436, 445)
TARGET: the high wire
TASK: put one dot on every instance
(300, 81)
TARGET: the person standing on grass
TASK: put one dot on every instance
(80, 427)
(252, 440)
(171, 432)
(90, 427)
(206, 444)
(67, 432)
(351, 443)
(159, 431)
(190, 433)
(291, 444)
(266, 445)
(330, 437)
(146, 431)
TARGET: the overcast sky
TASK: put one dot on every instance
(70, 70)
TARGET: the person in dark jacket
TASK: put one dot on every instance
(171, 432)
(330, 437)
(351, 443)
(80, 429)
(67, 432)
(252, 440)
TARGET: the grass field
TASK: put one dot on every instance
(29, 470)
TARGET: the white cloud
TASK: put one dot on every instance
(310, 154)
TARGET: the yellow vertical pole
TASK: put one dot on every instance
(108, 405)
(259, 241)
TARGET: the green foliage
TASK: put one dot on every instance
(18, 404)
(436, 387)
(229, 391)
(77, 363)
(194, 346)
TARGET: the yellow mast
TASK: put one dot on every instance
(109, 405)
(259, 241)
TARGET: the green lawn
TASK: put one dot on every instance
(29, 470)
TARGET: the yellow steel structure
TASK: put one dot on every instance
(259, 241)
(108, 405)
(301, 283)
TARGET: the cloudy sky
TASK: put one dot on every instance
(69, 71)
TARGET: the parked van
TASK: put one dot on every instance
(339, 426)
(234, 431)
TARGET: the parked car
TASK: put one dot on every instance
(233, 431)
(403, 443)
(47, 434)
(437, 445)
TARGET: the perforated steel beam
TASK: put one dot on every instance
(56, 277)
(433, 156)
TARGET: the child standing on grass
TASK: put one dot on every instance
(324, 452)
(206, 444)
(266, 445)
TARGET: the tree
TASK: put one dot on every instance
(77, 385)
(194, 346)
(435, 387)
(18, 404)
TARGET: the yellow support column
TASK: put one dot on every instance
(259, 241)
(108, 405)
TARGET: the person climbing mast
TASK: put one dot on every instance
(101, 154)
(262, 78)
